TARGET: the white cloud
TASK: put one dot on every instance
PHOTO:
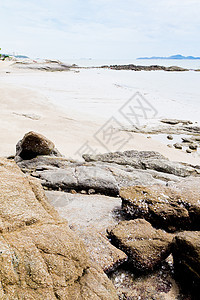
(100, 27)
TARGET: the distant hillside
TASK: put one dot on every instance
(178, 56)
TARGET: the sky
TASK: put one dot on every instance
(100, 29)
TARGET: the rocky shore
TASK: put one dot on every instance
(122, 225)
(56, 65)
(145, 68)
(188, 132)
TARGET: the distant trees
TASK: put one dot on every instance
(3, 56)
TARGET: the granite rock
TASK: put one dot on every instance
(145, 246)
(41, 257)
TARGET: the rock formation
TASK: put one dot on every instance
(48, 258)
(41, 258)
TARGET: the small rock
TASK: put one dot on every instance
(193, 147)
(169, 145)
(197, 138)
(170, 137)
(178, 146)
(91, 191)
(188, 151)
(83, 192)
(73, 192)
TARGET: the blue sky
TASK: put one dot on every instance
(100, 28)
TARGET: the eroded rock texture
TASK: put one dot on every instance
(40, 257)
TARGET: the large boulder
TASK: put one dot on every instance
(34, 144)
(41, 258)
(186, 254)
(44, 162)
(145, 246)
(165, 207)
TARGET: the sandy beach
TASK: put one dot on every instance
(71, 107)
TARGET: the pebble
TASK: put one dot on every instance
(170, 137)
(91, 191)
(83, 192)
(73, 192)
(188, 151)
(178, 146)
(193, 147)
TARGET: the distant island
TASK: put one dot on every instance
(21, 56)
(178, 56)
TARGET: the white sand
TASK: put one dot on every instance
(73, 106)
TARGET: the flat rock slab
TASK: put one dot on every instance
(146, 160)
(100, 250)
(171, 167)
(44, 162)
(172, 208)
(89, 216)
(106, 180)
(145, 246)
(158, 128)
(84, 211)
(186, 254)
(132, 158)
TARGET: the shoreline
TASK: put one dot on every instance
(28, 106)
